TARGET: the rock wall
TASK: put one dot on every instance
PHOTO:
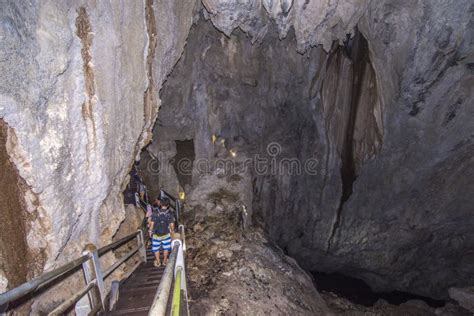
(79, 92)
(315, 22)
(233, 270)
(411, 211)
(384, 114)
(15, 260)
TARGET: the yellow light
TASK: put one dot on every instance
(233, 153)
(213, 138)
(182, 195)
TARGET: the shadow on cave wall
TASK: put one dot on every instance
(359, 292)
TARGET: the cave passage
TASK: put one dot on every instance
(227, 95)
(359, 292)
(331, 139)
(183, 162)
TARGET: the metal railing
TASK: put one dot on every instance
(160, 302)
(93, 273)
(141, 203)
(180, 293)
(172, 285)
(174, 280)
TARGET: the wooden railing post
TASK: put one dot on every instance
(141, 245)
(92, 270)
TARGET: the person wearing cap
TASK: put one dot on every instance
(162, 225)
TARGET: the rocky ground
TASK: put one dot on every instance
(235, 272)
(384, 117)
(341, 306)
(235, 269)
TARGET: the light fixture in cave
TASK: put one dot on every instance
(213, 138)
(182, 195)
(233, 153)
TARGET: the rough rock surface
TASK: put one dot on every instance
(3, 282)
(220, 189)
(16, 263)
(386, 117)
(132, 222)
(316, 22)
(341, 306)
(78, 93)
(232, 271)
(409, 219)
(464, 296)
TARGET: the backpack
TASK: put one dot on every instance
(161, 223)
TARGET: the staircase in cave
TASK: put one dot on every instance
(141, 291)
(137, 292)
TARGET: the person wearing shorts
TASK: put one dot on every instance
(162, 226)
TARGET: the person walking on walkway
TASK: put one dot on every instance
(162, 225)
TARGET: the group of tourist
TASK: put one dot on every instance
(161, 224)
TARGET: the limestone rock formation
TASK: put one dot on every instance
(411, 211)
(233, 270)
(360, 110)
(315, 22)
(3, 282)
(464, 296)
(78, 92)
(341, 306)
(385, 117)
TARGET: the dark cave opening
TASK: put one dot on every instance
(359, 292)
(183, 162)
